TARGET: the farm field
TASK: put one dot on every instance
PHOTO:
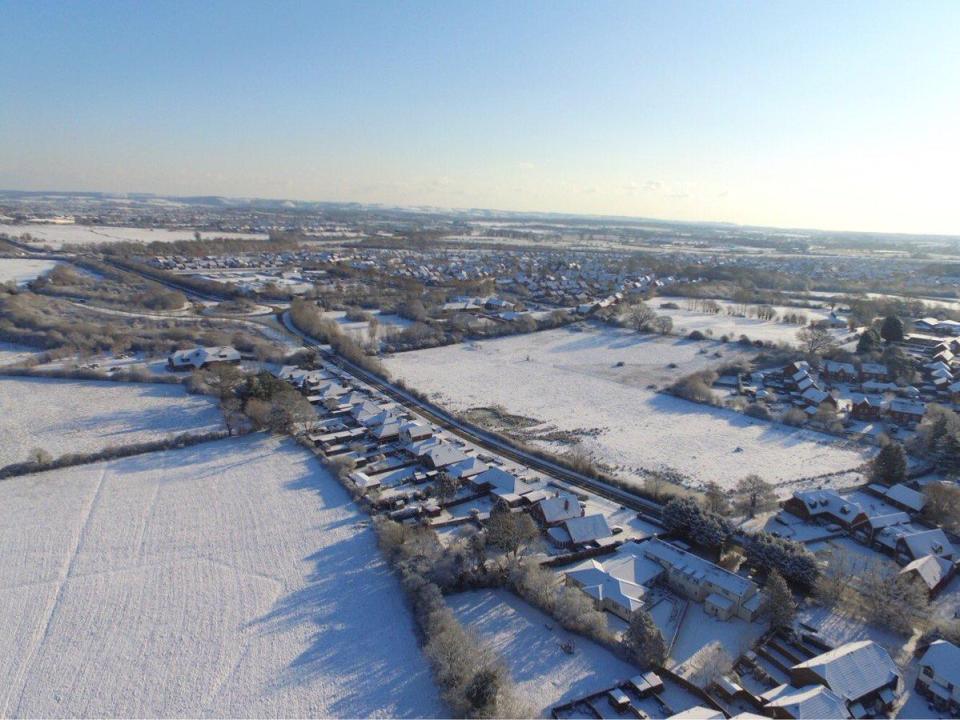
(20, 272)
(529, 643)
(80, 416)
(56, 236)
(686, 320)
(571, 381)
(233, 578)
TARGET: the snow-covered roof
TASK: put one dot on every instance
(928, 542)
(909, 407)
(497, 478)
(468, 467)
(905, 496)
(693, 566)
(200, 356)
(812, 701)
(929, 568)
(944, 658)
(599, 584)
(854, 669)
(562, 507)
(587, 529)
(444, 454)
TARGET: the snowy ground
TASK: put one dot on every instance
(79, 416)
(529, 642)
(11, 353)
(570, 380)
(231, 579)
(686, 320)
(20, 272)
(56, 236)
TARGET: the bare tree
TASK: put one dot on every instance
(816, 339)
(754, 494)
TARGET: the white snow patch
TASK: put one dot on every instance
(80, 416)
(20, 272)
(56, 236)
(529, 642)
(569, 379)
(230, 579)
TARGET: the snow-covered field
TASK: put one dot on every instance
(56, 236)
(11, 353)
(686, 320)
(529, 643)
(20, 272)
(570, 380)
(80, 416)
(230, 579)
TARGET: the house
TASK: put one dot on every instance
(905, 498)
(466, 468)
(617, 585)
(825, 505)
(874, 371)
(906, 412)
(202, 357)
(443, 454)
(815, 398)
(557, 510)
(939, 677)
(811, 701)
(932, 571)
(579, 532)
(413, 431)
(866, 408)
(388, 432)
(926, 542)
(839, 371)
(862, 673)
(723, 593)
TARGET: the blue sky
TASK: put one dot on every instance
(841, 115)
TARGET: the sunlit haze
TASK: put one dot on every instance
(797, 114)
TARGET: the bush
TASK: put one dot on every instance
(696, 387)
(759, 411)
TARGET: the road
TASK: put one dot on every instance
(442, 418)
(478, 436)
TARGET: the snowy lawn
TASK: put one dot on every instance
(20, 272)
(80, 416)
(56, 236)
(529, 642)
(570, 380)
(701, 632)
(233, 578)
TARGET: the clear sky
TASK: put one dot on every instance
(839, 115)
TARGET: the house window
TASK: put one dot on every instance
(927, 670)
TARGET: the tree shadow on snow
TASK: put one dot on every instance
(360, 630)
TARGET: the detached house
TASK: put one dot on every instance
(862, 673)
(906, 412)
(825, 506)
(939, 676)
(202, 357)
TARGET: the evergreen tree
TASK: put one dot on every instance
(892, 329)
(778, 606)
(869, 342)
(890, 465)
(645, 639)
